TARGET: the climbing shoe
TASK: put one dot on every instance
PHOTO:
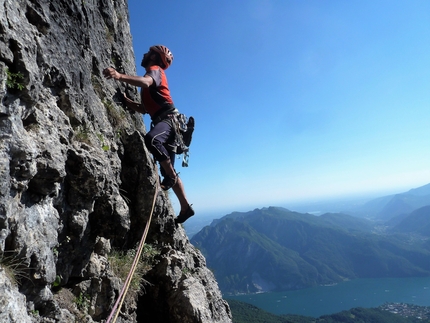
(168, 182)
(184, 216)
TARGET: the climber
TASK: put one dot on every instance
(157, 102)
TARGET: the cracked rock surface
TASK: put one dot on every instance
(76, 181)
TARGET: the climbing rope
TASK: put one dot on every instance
(118, 304)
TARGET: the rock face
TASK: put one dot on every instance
(76, 181)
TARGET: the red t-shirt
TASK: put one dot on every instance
(157, 96)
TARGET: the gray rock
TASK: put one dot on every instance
(12, 302)
(76, 181)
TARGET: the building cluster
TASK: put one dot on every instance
(408, 310)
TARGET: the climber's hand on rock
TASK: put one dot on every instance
(110, 73)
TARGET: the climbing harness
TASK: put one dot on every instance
(183, 128)
(118, 304)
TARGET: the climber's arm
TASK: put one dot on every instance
(140, 81)
(136, 106)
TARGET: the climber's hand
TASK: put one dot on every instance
(110, 73)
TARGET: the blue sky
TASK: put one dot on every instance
(295, 100)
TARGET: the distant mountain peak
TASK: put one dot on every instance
(420, 191)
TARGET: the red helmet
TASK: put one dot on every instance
(165, 54)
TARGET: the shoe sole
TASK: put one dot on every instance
(184, 217)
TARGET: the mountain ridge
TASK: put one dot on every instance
(276, 249)
(387, 207)
(367, 208)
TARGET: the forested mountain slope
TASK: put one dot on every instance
(276, 249)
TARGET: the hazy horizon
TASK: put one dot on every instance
(312, 206)
(300, 205)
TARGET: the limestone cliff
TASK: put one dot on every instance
(76, 181)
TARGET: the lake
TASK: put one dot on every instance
(323, 300)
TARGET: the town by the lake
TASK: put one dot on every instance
(407, 310)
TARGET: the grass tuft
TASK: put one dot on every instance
(121, 262)
(14, 267)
